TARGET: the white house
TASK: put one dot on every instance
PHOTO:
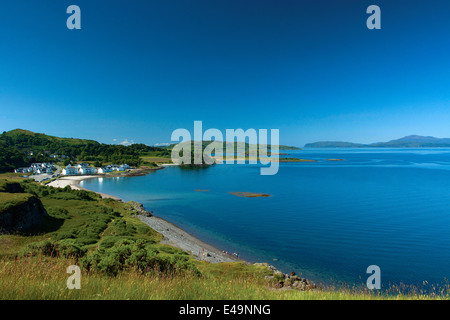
(69, 170)
(104, 170)
(88, 170)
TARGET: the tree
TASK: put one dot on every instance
(98, 163)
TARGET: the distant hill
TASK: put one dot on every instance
(233, 145)
(21, 147)
(24, 140)
(412, 141)
(334, 144)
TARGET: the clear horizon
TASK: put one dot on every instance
(137, 71)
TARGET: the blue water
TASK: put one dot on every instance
(325, 220)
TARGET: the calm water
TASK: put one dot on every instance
(325, 220)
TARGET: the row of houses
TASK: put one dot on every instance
(37, 168)
(84, 168)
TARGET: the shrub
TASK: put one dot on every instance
(144, 230)
(110, 241)
(46, 248)
(135, 255)
(120, 227)
(68, 234)
(69, 248)
(58, 212)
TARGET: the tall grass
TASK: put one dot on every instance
(45, 278)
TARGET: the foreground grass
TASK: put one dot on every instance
(44, 278)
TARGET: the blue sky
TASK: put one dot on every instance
(140, 69)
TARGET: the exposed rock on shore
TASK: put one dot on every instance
(138, 209)
(280, 280)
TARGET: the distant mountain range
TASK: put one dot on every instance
(412, 141)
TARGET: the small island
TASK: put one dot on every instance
(250, 194)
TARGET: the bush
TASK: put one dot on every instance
(68, 234)
(46, 248)
(144, 230)
(69, 248)
(58, 212)
(120, 227)
(136, 255)
(110, 241)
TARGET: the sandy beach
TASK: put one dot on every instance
(172, 234)
(74, 183)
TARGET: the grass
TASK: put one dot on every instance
(9, 200)
(45, 278)
(156, 159)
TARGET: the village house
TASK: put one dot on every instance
(115, 167)
(104, 170)
(37, 168)
(70, 170)
(87, 170)
(84, 168)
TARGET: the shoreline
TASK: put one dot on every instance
(178, 237)
(74, 183)
(172, 234)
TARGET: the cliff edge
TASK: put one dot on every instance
(20, 212)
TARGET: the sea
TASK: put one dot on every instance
(327, 221)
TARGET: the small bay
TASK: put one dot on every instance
(327, 220)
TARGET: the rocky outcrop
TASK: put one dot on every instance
(13, 188)
(138, 209)
(23, 216)
(280, 280)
